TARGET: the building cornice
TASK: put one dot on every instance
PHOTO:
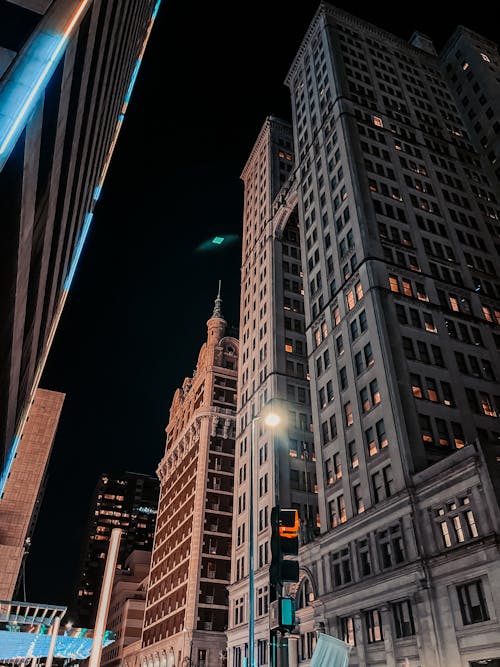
(324, 10)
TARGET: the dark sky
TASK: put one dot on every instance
(136, 316)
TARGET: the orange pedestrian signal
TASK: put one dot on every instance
(289, 523)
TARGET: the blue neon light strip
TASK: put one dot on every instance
(155, 10)
(24, 89)
(132, 81)
(88, 218)
(8, 464)
(78, 251)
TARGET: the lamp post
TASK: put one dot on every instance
(270, 419)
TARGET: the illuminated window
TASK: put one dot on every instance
(347, 630)
(416, 385)
(485, 57)
(373, 623)
(378, 121)
(358, 499)
(374, 392)
(429, 323)
(432, 393)
(465, 65)
(359, 290)
(336, 315)
(445, 534)
(486, 405)
(350, 300)
(393, 282)
(454, 303)
(349, 418)
(407, 289)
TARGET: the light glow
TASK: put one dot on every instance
(272, 419)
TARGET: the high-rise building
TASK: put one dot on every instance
(23, 493)
(398, 216)
(128, 501)
(272, 375)
(187, 599)
(67, 69)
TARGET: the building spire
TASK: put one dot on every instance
(218, 305)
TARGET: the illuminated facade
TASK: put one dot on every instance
(22, 497)
(128, 501)
(399, 222)
(187, 606)
(67, 69)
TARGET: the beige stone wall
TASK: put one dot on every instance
(23, 485)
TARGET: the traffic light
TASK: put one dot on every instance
(285, 526)
(282, 614)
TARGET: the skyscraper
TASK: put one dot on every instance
(186, 605)
(128, 501)
(396, 191)
(272, 374)
(67, 69)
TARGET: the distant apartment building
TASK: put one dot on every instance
(22, 497)
(395, 195)
(127, 605)
(129, 501)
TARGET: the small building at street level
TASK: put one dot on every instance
(187, 600)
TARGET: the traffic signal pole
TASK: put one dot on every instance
(285, 526)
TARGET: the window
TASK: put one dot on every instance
(403, 619)
(261, 652)
(262, 601)
(348, 415)
(239, 610)
(373, 623)
(341, 562)
(365, 564)
(358, 499)
(347, 630)
(472, 603)
(391, 546)
(456, 522)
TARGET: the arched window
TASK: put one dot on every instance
(305, 594)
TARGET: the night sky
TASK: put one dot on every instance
(136, 317)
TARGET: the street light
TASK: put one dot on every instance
(272, 420)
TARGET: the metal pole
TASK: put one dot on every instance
(102, 609)
(53, 639)
(251, 573)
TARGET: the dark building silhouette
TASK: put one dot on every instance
(67, 69)
(128, 501)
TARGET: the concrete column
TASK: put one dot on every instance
(293, 651)
(388, 638)
(360, 635)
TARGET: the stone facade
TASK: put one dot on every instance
(396, 197)
(187, 607)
